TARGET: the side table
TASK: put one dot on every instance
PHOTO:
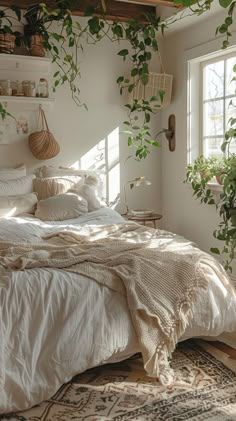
(143, 219)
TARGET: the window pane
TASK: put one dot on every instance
(114, 184)
(113, 147)
(213, 118)
(233, 146)
(230, 111)
(213, 77)
(211, 147)
(230, 85)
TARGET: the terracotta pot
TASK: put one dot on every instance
(7, 43)
(219, 179)
(36, 46)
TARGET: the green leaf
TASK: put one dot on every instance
(17, 11)
(134, 72)
(215, 250)
(123, 53)
(120, 79)
(225, 3)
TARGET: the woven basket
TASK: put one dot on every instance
(7, 43)
(157, 82)
(36, 46)
(43, 144)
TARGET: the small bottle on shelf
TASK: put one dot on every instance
(42, 88)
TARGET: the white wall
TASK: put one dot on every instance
(182, 213)
(78, 130)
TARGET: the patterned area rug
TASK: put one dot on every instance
(204, 390)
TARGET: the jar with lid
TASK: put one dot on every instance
(42, 88)
(7, 90)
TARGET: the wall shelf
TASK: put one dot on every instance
(27, 100)
(19, 68)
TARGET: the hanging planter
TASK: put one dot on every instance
(157, 83)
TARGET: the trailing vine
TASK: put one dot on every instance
(66, 41)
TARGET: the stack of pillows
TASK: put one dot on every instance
(16, 192)
(60, 193)
(65, 193)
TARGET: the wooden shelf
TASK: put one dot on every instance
(27, 100)
(22, 58)
(16, 67)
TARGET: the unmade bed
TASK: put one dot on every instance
(56, 323)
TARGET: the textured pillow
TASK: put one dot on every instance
(15, 205)
(12, 173)
(48, 187)
(88, 191)
(17, 186)
(61, 207)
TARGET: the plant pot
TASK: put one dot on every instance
(36, 46)
(232, 213)
(7, 43)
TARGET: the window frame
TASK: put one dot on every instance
(203, 64)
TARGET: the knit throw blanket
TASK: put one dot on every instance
(159, 273)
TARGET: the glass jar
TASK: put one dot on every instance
(26, 87)
(7, 90)
(42, 88)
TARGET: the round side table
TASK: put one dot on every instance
(143, 219)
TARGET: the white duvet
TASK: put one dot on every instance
(55, 324)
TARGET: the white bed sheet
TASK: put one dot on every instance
(55, 324)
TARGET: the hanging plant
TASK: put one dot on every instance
(65, 44)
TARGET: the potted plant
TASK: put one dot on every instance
(199, 174)
(7, 35)
(38, 21)
(34, 31)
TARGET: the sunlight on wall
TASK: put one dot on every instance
(104, 159)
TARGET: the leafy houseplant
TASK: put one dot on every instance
(34, 31)
(200, 173)
(38, 22)
(66, 42)
(7, 35)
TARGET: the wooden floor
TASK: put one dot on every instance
(222, 352)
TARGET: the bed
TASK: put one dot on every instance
(55, 323)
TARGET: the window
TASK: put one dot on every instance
(210, 93)
(218, 93)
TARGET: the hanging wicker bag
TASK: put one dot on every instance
(43, 144)
(157, 82)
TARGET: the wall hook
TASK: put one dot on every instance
(170, 133)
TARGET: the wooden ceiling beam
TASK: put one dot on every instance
(167, 3)
(115, 9)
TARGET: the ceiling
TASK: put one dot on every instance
(116, 9)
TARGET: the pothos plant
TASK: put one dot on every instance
(66, 40)
(201, 172)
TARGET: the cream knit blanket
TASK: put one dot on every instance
(159, 273)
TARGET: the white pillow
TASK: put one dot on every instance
(15, 205)
(12, 173)
(61, 207)
(88, 191)
(17, 186)
(48, 187)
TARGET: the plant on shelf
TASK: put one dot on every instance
(7, 35)
(200, 173)
(65, 42)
